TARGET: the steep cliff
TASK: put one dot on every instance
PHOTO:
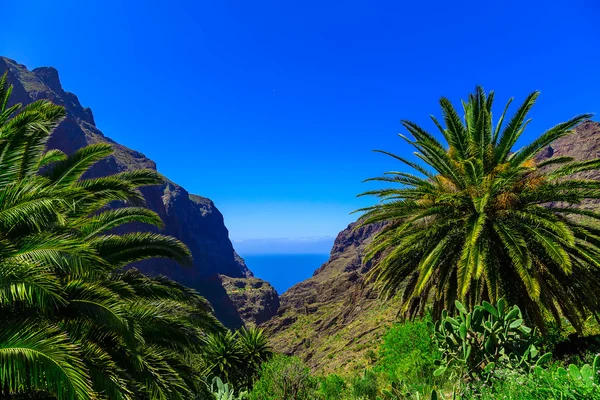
(332, 319)
(255, 300)
(193, 219)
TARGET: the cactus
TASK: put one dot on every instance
(486, 338)
(587, 375)
(221, 391)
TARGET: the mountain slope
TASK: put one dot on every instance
(332, 319)
(193, 219)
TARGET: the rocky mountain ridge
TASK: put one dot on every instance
(195, 220)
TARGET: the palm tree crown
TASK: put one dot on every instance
(474, 222)
(74, 323)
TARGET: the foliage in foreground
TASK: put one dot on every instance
(284, 377)
(487, 338)
(74, 324)
(408, 355)
(541, 384)
(222, 391)
(392, 377)
(472, 224)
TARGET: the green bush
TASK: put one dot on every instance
(284, 377)
(332, 387)
(365, 386)
(408, 353)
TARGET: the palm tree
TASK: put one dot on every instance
(223, 358)
(480, 220)
(255, 351)
(74, 322)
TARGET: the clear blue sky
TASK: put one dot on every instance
(272, 108)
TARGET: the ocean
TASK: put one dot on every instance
(284, 270)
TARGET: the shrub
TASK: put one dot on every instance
(284, 377)
(365, 387)
(235, 358)
(332, 387)
(408, 353)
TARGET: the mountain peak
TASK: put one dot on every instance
(49, 75)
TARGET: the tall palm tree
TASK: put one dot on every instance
(74, 322)
(480, 220)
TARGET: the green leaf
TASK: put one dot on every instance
(460, 307)
(545, 358)
(463, 331)
(574, 372)
(439, 371)
(586, 373)
(512, 314)
(489, 367)
(489, 345)
(516, 323)
(501, 307)
(533, 351)
(489, 308)
(468, 349)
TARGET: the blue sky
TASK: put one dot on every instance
(272, 108)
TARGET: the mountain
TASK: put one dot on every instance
(194, 220)
(332, 319)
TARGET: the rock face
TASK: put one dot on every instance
(583, 144)
(255, 300)
(334, 317)
(193, 219)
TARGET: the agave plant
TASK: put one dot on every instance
(222, 391)
(480, 220)
(75, 323)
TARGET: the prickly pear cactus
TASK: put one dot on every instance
(486, 338)
(587, 375)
